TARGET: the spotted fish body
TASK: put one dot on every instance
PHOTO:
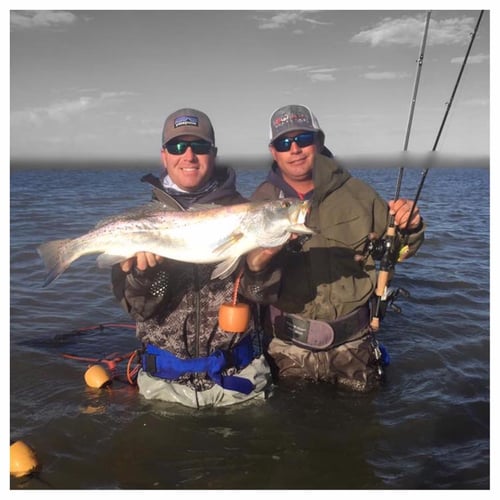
(202, 236)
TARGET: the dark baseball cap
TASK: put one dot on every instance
(187, 121)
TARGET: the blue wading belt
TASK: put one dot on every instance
(164, 364)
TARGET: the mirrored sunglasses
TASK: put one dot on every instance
(285, 143)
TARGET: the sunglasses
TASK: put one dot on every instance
(303, 140)
(180, 147)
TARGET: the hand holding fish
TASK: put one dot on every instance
(401, 210)
(258, 259)
(141, 260)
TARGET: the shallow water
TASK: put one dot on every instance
(427, 428)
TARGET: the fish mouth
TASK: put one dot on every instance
(298, 217)
(303, 210)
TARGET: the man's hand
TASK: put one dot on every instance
(401, 210)
(259, 259)
(141, 260)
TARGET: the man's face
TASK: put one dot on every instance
(296, 164)
(189, 170)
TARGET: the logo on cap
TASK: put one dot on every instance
(291, 118)
(183, 121)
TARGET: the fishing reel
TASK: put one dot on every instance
(392, 295)
(386, 248)
(380, 305)
(376, 248)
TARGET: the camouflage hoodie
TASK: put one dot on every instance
(176, 304)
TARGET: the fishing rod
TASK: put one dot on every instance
(391, 254)
(450, 101)
(388, 257)
(420, 62)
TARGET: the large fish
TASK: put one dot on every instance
(202, 235)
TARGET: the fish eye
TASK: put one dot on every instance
(286, 203)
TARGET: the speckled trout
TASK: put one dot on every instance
(201, 235)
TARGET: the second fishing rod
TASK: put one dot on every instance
(388, 250)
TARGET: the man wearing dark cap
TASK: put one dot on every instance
(188, 172)
(188, 358)
(319, 323)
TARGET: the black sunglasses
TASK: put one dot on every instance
(303, 140)
(180, 147)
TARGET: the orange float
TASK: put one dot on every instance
(96, 376)
(234, 318)
(23, 459)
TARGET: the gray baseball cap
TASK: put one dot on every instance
(293, 117)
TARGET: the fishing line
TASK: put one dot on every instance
(93, 329)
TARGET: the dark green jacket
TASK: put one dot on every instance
(324, 280)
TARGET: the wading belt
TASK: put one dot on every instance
(164, 364)
(319, 335)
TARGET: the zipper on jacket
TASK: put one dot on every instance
(197, 310)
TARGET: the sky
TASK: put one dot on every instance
(98, 84)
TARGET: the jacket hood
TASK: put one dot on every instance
(328, 176)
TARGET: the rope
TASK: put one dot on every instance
(236, 287)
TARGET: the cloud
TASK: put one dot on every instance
(476, 59)
(451, 31)
(409, 31)
(40, 18)
(318, 76)
(63, 110)
(292, 67)
(314, 73)
(287, 18)
(386, 75)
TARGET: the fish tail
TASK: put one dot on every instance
(57, 256)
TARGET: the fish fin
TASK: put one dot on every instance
(225, 268)
(136, 213)
(57, 256)
(300, 229)
(232, 239)
(108, 260)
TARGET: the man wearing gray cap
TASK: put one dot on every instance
(319, 323)
(188, 358)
